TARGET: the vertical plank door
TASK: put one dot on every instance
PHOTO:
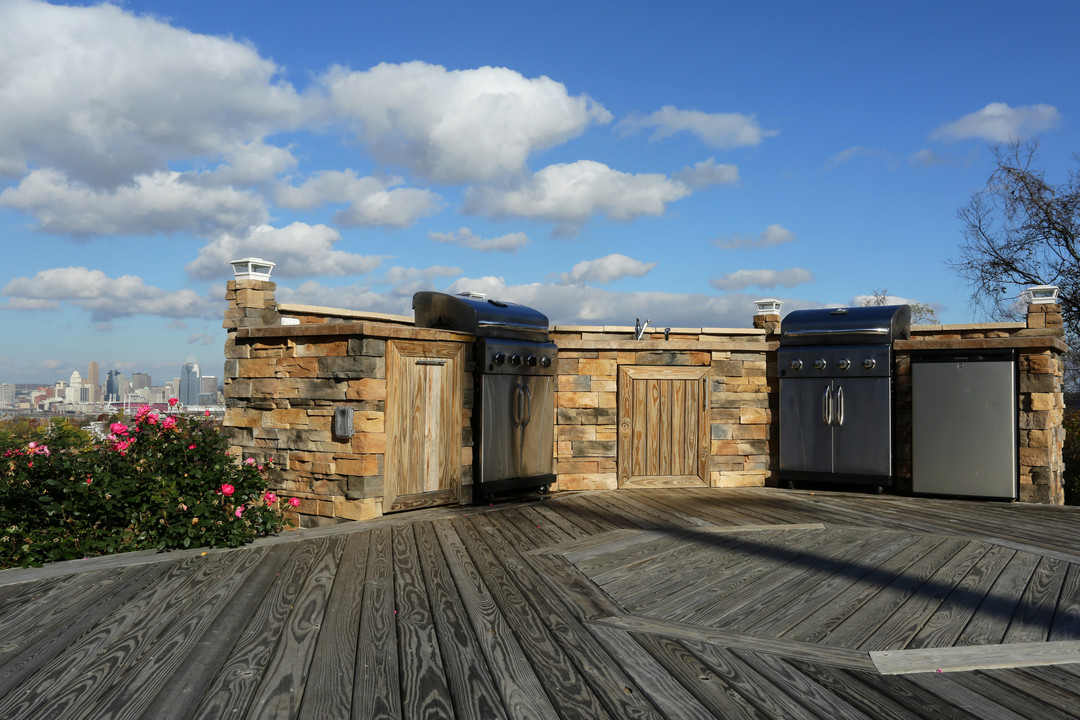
(423, 424)
(663, 426)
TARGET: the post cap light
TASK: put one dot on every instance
(768, 306)
(252, 268)
(1043, 294)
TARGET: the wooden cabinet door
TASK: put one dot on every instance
(664, 437)
(423, 424)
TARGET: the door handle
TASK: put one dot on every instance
(839, 406)
(527, 395)
(826, 407)
(518, 402)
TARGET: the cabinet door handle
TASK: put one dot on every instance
(839, 406)
(826, 407)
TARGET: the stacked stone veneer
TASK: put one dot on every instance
(743, 394)
(284, 381)
(1041, 350)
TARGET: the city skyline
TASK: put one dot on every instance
(669, 162)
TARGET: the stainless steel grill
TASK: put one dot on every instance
(836, 393)
(515, 388)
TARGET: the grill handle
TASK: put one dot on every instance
(883, 331)
(527, 394)
(839, 406)
(826, 407)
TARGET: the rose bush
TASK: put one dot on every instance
(154, 483)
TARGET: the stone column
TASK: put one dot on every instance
(1042, 408)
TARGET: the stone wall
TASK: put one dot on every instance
(742, 399)
(1040, 365)
(284, 382)
(289, 367)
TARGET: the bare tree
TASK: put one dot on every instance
(1020, 231)
(921, 313)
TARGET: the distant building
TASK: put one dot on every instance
(140, 381)
(7, 395)
(189, 383)
(93, 381)
(112, 386)
(73, 391)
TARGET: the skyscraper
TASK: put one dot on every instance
(112, 386)
(93, 381)
(189, 383)
(139, 381)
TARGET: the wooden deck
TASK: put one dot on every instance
(648, 603)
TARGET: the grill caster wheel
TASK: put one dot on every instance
(790, 484)
(544, 489)
(879, 490)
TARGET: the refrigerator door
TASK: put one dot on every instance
(964, 424)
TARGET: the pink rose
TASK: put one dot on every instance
(249, 461)
(191, 446)
(173, 402)
(227, 490)
(295, 502)
(207, 413)
(270, 498)
(118, 429)
(239, 511)
(168, 423)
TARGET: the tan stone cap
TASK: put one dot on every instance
(366, 329)
(1021, 342)
(289, 309)
(968, 327)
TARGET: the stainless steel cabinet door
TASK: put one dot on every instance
(862, 433)
(519, 419)
(806, 439)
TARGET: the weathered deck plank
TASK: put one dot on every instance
(328, 691)
(481, 613)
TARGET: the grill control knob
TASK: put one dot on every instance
(515, 359)
(499, 358)
(531, 361)
(869, 363)
(843, 364)
(796, 364)
(545, 361)
(819, 364)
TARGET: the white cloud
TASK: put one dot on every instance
(582, 304)
(372, 202)
(850, 154)
(352, 297)
(718, 130)
(997, 122)
(570, 194)
(767, 279)
(203, 339)
(706, 173)
(465, 237)
(105, 297)
(161, 202)
(103, 95)
(298, 249)
(774, 234)
(457, 125)
(927, 158)
(253, 163)
(606, 269)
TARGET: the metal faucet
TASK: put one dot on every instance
(639, 329)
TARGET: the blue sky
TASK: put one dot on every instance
(598, 161)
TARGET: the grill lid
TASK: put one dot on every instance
(847, 326)
(479, 316)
